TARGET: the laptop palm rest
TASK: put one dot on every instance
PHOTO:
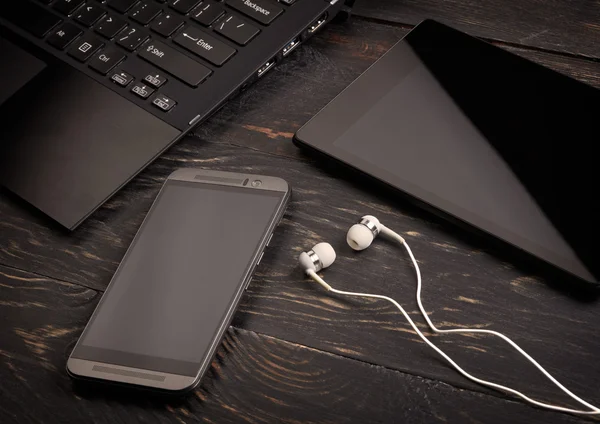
(17, 68)
(60, 131)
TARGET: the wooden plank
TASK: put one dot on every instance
(264, 118)
(558, 25)
(584, 70)
(464, 284)
(254, 379)
(267, 116)
(281, 302)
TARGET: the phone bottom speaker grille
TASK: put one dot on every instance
(128, 373)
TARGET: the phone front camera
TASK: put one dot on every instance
(256, 183)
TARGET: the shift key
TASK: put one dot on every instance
(174, 62)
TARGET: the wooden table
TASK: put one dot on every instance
(295, 354)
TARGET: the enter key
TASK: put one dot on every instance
(204, 45)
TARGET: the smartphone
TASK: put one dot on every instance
(172, 298)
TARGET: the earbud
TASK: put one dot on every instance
(361, 235)
(320, 257)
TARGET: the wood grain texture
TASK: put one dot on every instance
(586, 71)
(563, 26)
(263, 119)
(466, 281)
(464, 284)
(254, 379)
(267, 116)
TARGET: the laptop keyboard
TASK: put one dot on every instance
(104, 33)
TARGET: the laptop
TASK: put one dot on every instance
(92, 91)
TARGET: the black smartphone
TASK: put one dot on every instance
(172, 298)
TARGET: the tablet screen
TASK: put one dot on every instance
(489, 138)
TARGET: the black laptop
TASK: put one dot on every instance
(91, 91)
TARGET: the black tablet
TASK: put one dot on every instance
(493, 140)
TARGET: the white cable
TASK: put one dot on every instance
(594, 410)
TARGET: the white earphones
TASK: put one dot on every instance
(320, 257)
(360, 236)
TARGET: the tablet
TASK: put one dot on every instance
(480, 134)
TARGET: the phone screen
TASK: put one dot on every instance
(179, 278)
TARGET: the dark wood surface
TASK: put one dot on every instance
(295, 354)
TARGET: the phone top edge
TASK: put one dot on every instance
(233, 179)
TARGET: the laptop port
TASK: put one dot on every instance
(266, 68)
(291, 46)
(318, 24)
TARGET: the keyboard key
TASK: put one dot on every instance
(106, 60)
(263, 11)
(64, 36)
(111, 26)
(67, 7)
(89, 14)
(122, 78)
(167, 24)
(174, 62)
(142, 90)
(183, 6)
(145, 12)
(31, 17)
(155, 80)
(163, 102)
(131, 39)
(85, 47)
(237, 30)
(208, 12)
(122, 5)
(204, 45)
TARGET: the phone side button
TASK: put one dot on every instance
(260, 258)
(270, 238)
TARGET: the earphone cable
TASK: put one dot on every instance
(594, 410)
